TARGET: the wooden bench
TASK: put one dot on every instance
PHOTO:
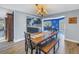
(49, 46)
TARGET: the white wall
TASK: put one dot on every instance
(3, 12)
(19, 25)
(19, 22)
(71, 30)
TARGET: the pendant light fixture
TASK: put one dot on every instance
(40, 9)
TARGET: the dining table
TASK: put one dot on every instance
(39, 37)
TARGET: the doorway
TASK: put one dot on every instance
(9, 26)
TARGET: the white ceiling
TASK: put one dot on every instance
(51, 8)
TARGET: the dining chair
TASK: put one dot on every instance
(28, 43)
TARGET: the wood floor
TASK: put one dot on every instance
(71, 47)
(13, 48)
(18, 48)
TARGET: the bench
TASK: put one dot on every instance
(49, 46)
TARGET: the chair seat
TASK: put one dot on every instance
(49, 46)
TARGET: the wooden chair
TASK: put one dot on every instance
(28, 43)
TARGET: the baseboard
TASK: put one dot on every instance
(72, 40)
(18, 40)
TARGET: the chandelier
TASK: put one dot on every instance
(40, 9)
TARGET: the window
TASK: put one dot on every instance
(1, 28)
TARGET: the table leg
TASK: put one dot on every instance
(54, 50)
(31, 51)
(37, 49)
(58, 44)
(26, 49)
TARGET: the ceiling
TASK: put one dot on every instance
(51, 8)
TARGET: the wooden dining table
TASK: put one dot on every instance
(39, 37)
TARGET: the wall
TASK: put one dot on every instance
(71, 30)
(19, 22)
(3, 12)
(20, 25)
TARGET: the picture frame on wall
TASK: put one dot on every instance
(72, 20)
